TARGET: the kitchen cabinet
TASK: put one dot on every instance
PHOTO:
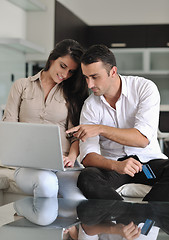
(159, 60)
(129, 60)
(69, 26)
(157, 35)
(130, 36)
(142, 60)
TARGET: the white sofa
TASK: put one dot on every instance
(9, 191)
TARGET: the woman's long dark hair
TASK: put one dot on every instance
(75, 88)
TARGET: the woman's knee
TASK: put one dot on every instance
(39, 183)
(46, 184)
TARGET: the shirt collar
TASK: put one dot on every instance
(124, 86)
(123, 91)
(36, 77)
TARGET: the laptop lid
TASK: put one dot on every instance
(23, 229)
(31, 145)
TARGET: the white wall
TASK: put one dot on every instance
(12, 20)
(12, 25)
(11, 62)
(37, 27)
(40, 30)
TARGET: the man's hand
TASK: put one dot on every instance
(129, 232)
(129, 166)
(85, 131)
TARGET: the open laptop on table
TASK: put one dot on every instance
(31, 145)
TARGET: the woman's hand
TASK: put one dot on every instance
(68, 161)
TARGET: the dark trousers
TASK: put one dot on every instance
(97, 183)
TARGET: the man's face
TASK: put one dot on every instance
(97, 78)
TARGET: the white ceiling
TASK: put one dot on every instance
(116, 12)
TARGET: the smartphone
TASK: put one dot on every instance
(148, 171)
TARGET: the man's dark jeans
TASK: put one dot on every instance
(97, 183)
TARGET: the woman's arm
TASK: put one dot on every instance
(73, 154)
(11, 112)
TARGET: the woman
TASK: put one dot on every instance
(53, 96)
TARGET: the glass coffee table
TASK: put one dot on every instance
(51, 218)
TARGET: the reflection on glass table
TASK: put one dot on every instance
(52, 218)
(104, 218)
(42, 218)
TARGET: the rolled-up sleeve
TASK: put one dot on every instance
(146, 120)
(89, 115)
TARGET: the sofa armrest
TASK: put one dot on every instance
(4, 182)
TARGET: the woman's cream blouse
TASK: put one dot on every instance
(26, 103)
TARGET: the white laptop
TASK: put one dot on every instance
(31, 145)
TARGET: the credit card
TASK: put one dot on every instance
(148, 171)
(147, 226)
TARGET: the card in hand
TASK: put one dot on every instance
(148, 171)
(147, 226)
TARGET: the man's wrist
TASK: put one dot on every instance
(101, 129)
(114, 164)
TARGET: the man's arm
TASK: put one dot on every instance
(128, 137)
(129, 166)
(129, 232)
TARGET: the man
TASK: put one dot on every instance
(118, 131)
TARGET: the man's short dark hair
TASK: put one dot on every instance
(97, 53)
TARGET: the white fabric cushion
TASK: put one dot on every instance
(12, 188)
(134, 190)
(4, 182)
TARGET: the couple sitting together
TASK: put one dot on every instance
(116, 134)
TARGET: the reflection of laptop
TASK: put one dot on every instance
(60, 223)
(23, 229)
(31, 145)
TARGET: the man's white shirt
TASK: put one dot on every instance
(137, 107)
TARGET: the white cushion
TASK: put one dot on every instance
(9, 173)
(4, 181)
(134, 190)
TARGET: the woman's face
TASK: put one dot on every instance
(62, 68)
